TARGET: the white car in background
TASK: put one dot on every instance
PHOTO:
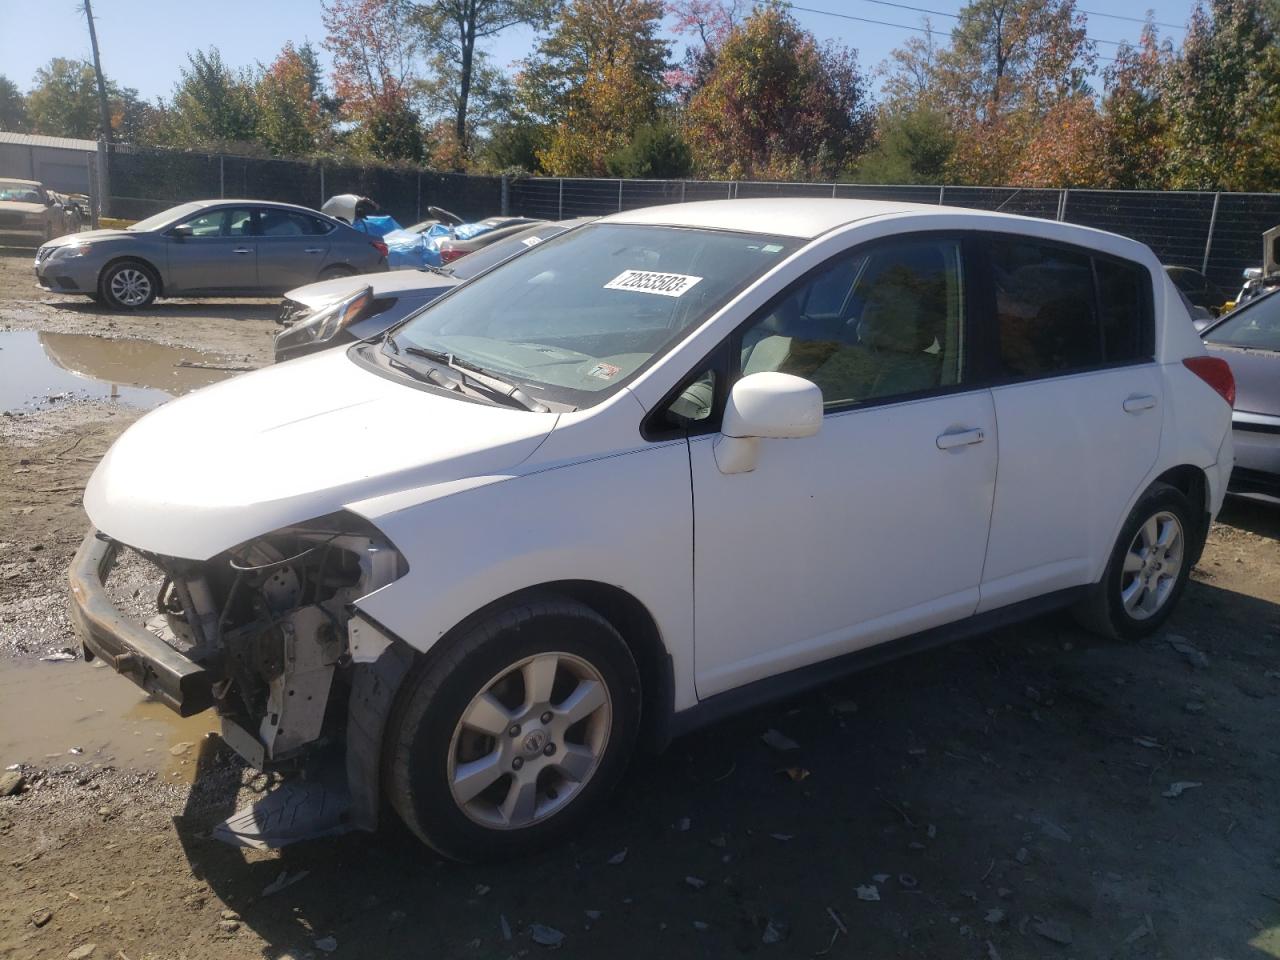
(464, 553)
(27, 208)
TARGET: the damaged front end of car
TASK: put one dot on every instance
(268, 633)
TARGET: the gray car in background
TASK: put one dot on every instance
(1248, 338)
(207, 248)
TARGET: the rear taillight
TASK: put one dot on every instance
(1216, 372)
(379, 246)
(450, 254)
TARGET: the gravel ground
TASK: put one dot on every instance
(1014, 796)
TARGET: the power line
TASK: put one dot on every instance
(956, 16)
(906, 26)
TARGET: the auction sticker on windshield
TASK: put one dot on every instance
(645, 281)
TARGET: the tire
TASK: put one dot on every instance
(1141, 586)
(333, 273)
(539, 764)
(128, 285)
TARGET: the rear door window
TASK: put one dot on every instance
(1123, 303)
(1046, 316)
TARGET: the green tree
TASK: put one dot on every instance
(13, 107)
(1222, 95)
(212, 105)
(291, 119)
(595, 78)
(912, 146)
(778, 105)
(451, 30)
(1135, 117)
(657, 151)
(64, 100)
(376, 46)
(513, 145)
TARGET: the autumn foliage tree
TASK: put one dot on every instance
(595, 78)
(292, 119)
(375, 48)
(777, 105)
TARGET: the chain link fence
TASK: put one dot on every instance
(1217, 233)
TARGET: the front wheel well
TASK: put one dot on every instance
(634, 622)
(133, 259)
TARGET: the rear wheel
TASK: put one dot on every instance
(128, 285)
(507, 741)
(334, 272)
(1148, 568)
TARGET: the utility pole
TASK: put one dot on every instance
(104, 115)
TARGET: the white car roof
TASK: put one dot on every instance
(785, 216)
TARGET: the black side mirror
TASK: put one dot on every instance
(182, 231)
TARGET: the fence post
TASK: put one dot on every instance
(560, 210)
(104, 181)
(93, 191)
(1208, 241)
(222, 177)
(506, 196)
(1062, 205)
(942, 193)
(619, 194)
(833, 191)
(730, 195)
(683, 184)
(322, 184)
(418, 215)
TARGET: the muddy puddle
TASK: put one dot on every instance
(76, 712)
(38, 370)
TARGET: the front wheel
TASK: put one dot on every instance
(128, 285)
(334, 272)
(1148, 568)
(508, 740)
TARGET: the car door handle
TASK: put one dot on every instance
(961, 438)
(1138, 402)
(314, 250)
(243, 250)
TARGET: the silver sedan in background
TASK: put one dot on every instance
(207, 248)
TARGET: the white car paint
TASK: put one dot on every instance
(869, 530)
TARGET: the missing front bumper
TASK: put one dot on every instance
(175, 680)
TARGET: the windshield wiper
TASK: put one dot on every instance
(443, 271)
(477, 376)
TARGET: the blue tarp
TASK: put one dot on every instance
(407, 250)
(376, 226)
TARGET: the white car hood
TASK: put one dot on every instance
(290, 443)
(403, 282)
(19, 206)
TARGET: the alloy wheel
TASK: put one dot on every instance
(529, 741)
(1152, 565)
(130, 286)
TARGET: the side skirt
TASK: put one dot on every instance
(784, 685)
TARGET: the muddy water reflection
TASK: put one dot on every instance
(76, 712)
(35, 367)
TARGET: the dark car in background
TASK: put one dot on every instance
(1198, 288)
(207, 248)
(328, 314)
(1249, 340)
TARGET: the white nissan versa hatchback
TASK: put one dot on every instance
(657, 469)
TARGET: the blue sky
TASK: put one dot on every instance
(144, 42)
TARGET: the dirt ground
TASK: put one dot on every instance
(1004, 798)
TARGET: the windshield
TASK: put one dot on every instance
(578, 315)
(20, 192)
(1256, 326)
(172, 215)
